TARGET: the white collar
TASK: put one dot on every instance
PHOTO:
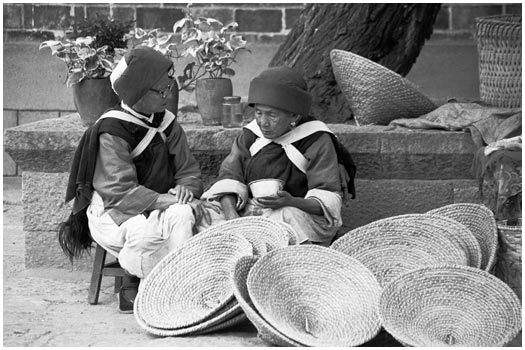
(136, 114)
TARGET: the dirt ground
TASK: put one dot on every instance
(48, 307)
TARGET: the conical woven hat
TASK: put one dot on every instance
(264, 234)
(480, 221)
(392, 246)
(191, 284)
(316, 296)
(450, 306)
(266, 331)
(375, 94)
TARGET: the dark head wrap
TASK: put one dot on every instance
(137, 72)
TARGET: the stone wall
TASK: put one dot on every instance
(399, 171)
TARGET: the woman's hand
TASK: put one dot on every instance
(283, 199)
(182, 194)
(200, 210)
(228, 204)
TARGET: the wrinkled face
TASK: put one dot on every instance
(157, 98)
(272, 121)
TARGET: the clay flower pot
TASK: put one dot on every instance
(209, 94)
(92, 97)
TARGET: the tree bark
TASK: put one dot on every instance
(389, 34)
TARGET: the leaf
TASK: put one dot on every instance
(163, 39)
(140, 33)
(228, 71)
(74, 78)
(179, 24)
(85, 52)
(231, 26)
(237, 41)
(52, 44)
(84, 40)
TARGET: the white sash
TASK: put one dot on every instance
(286, 140)
(168, 118)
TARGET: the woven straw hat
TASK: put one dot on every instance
(392, 246)
(316, 296)
(266, 331)
(191, 284)
(450, 306)
(264, 234)
(480, 221)
(375, 94)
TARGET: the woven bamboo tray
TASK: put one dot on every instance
(192, 284)
(480, 221)
(450, 306)
(316, 296)
(499, 47)
(392, 246)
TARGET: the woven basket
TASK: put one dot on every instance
(316, 296)
(499, 49)
(395, 245)
(480, 221)
(450, 306)
(228, 316)
(266, 331)
(376, 94)
(508, 266)
(264, 234)
(191, 284)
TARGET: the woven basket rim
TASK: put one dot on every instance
(482, 275)
(499, 19)
(239, 284)
(335, 265)
(177, 266)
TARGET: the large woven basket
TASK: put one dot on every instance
(392, 246)
(480, 220)
(499, 49)
(450, 306)
(263, 233)
(316, 296)
(508, 266)
(191, 284)
(376, 94)
(265, 330)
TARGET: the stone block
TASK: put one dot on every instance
(51, 16)
(43, 196)
(466, 191)
(13, 16)
(43, 250)
(33, 116)
(514, 9)
(290, 16)
(443, 19)
(93, 12)
(378, 199)
(162, 18)
(79, 13)
(221, 14)
(123, 13)
(10, 119)
(28, 16)
(10, 168)
(274, 39)
(260, 20)
(463, 16)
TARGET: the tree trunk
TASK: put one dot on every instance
(389, 34)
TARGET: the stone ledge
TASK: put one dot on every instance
(379, 151)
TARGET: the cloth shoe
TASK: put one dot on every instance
(127, 294)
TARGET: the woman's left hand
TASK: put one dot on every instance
(283, 199)
(182, 193)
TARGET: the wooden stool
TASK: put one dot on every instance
(100, 268)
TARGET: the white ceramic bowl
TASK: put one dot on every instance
(265, 187)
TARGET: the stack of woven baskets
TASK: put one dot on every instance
(434, 270)
(424, 278)
(190, 292)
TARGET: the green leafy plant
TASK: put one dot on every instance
(213, 45)
(155, 39)
(94, 54)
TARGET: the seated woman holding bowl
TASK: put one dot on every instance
(295, 154)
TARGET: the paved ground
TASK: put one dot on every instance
(48, 307)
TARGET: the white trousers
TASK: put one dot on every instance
(141, 242)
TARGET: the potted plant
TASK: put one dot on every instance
(90, 53)
(214, 48)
